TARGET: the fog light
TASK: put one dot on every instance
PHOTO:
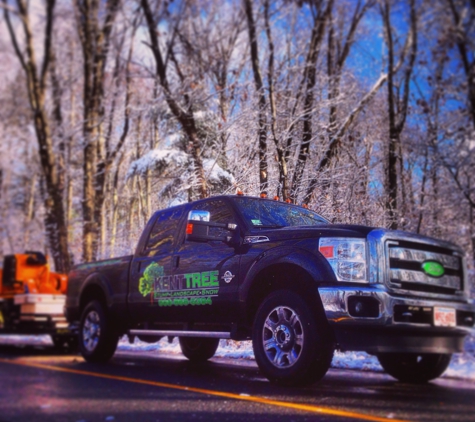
(363, 307)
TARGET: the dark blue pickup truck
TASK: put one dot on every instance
(235, 267)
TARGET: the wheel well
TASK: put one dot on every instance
(92, 292)
(283, 276)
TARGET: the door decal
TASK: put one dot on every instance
(179, 289)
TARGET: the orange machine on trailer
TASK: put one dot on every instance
(32, 298)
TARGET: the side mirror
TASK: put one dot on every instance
(198, 230)
(199, 215)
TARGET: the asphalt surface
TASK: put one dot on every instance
(39, 384)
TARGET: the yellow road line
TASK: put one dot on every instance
(261, 400)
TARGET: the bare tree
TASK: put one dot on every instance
(52, 164)
(339, 47)
(397, 101)
(463, 16)
(183, 111)
(262, 120)
(95, 23)
(350, 118)
(321, 14)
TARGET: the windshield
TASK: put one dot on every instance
(268, 214)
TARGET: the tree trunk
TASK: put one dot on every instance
(320, 20)
(331, 149)
(95, 41)
(261, 119)
(397, 107)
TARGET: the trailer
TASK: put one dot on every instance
(32, 299)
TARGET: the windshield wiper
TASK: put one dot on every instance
(268, 226)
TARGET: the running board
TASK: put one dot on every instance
(165, 333)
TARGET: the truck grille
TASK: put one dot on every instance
(406, 270)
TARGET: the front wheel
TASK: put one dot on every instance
(291, 345)
(198, 349)
(414, 368)
(97, 338)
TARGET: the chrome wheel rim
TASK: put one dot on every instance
(283, 337)
(91, 331)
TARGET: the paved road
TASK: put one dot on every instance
(37, 384)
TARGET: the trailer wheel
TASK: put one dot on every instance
(68, 343)
(198, 349)
(97, 338)
(291, 344)
(414, 368)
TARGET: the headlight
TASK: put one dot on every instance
(346, 256)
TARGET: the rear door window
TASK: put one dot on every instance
(164, 231)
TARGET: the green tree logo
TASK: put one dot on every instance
(151, 274)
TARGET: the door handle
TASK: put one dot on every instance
(176, 261)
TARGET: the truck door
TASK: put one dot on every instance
(207, 272)
(152, 267)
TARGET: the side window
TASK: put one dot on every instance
(164, 231)
(220, 213)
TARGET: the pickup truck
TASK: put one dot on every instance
(299, 287)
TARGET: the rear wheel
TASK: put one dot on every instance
(198, 349)
(97, 338)
(414, 368)
(291, 345)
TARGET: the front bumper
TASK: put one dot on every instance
(372, 320)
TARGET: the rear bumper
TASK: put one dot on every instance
(35, 314)
(370, 319)
(41, 324)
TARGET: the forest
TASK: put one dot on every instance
(362, 110)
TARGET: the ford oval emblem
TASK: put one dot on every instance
(228, 276)
(433, 268)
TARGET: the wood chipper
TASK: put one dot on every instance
(32, 299)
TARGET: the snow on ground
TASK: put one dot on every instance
(461, 367)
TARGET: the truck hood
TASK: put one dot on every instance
(348, 230)
(324, 230)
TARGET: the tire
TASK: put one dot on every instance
(198, 349)
(291, 344)
(97, 338)
(414, 368)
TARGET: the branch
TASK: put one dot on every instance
(160, 65)
(340, 132)
(454, 174)
(6, 14)
(48, 37)
(412, 45)
(128, 95)
(357, 16)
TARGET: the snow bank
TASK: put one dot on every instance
(461, 367)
